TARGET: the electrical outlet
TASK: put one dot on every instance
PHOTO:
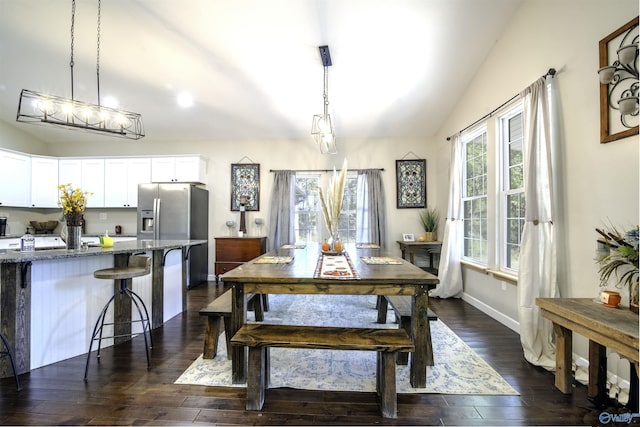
(103, 216)
(503, 286)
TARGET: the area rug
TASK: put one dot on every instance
(457, 370)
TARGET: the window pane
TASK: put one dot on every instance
(513, 190)
(475, 196)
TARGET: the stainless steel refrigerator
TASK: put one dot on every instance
(176, 211)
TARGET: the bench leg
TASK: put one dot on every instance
(211, 333)
(256, 374)
(386, 384)
(227, 335)
(382, 305)
(256, 304)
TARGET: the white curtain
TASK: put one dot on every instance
(449, 269)
(537, 270)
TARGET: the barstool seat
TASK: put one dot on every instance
(137, 266)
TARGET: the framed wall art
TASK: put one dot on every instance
(411, 183)
(618, 80)
(245, 186)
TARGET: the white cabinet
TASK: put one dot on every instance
(178, 169)
(85, 174)
(121, 179)
(44, 182)
(15, 176)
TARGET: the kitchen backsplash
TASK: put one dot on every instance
(97, 220)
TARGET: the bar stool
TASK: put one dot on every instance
(7, 352)
(136, 267)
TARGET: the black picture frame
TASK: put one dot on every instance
(411, 183)
(245, 181)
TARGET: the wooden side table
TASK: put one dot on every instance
(615, 328)
(234, 251)
(421, 248)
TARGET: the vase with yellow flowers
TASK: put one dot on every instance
(74, 203)
(331, 202)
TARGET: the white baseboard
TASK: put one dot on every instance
(510, 323)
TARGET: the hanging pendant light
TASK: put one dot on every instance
(321, 127)
(38, 108)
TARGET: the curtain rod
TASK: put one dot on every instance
(320, 170)
(551, 73)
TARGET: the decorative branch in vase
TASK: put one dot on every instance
(332, 203)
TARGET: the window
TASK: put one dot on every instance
(308, 220)
(512, 194)
(474, 197)
(307, 215)
(493, 190)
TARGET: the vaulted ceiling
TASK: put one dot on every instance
(252, 66)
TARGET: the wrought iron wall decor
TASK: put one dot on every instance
(411, 183)
(619, 84)
(245, 186)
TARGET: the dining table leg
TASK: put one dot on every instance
(420, 331)
(238, 318)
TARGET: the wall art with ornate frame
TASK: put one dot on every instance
(245, 186)
(411, 183)
(624, 83)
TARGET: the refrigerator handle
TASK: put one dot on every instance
(156, 219)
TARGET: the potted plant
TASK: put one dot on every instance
(621, 260)
(430, 218)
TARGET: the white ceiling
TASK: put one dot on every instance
(253, 66)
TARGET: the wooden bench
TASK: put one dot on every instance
(260, 337)
(220, 309)
(401, 305)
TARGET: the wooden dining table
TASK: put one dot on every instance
(300, 275)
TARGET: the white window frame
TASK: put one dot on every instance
(467, 138)
(497, 161)
(344, 227)
(504, 190)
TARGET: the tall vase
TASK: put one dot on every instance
(74, 237)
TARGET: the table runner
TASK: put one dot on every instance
(274, 260)
(337, 266)
(381, 260)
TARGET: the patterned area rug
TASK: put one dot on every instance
(458, 369)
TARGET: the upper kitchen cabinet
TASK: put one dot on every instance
(15, 173)
(178, 169)
(86, 174)
(121, 179)
(44, 182)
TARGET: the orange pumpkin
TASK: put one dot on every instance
(325, 246)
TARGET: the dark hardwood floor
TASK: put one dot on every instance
(121, 391)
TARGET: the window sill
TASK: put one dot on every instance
(500, 275)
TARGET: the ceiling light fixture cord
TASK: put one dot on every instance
(98, 50)
(326, 92)
(73, 23)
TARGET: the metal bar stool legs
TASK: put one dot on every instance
(138, 266)
(7, 352)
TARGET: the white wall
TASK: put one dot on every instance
(598, 182)
(271, 154)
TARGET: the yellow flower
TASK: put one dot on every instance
(73, 202)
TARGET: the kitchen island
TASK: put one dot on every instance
(49, 299)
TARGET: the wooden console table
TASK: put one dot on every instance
(605, 327)
(420, 248)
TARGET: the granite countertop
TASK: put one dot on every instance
(13, 255)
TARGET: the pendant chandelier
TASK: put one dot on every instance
(38, 108)
(322, 128)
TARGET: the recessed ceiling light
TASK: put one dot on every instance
(185, 100)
